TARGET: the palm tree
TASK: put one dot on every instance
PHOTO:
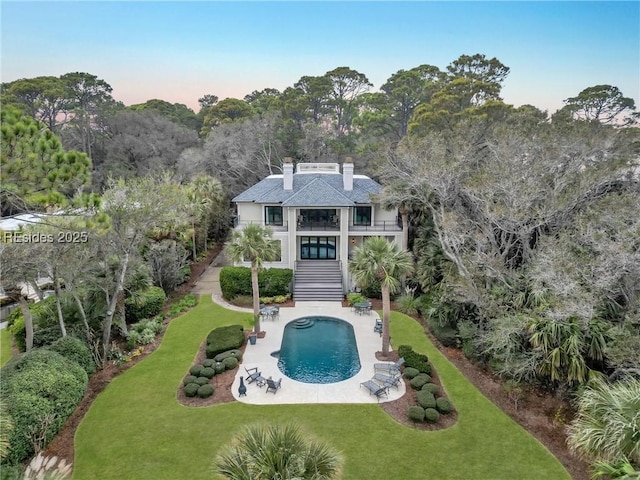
(266, 452)
(254, 244)
(377, 260)
(607, 426)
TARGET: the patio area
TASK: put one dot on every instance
(292, 391)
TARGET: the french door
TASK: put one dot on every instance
(317, 248)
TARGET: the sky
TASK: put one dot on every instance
(179, 51)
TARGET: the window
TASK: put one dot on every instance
(362, 216)
(273, 215)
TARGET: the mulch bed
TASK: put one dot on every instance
(543, 415)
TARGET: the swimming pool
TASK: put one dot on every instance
(319, 350)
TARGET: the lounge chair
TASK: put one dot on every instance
(272, 385)
(377, 328)
(388, 380)
(391, 368)
(375, 388)
(252, 374)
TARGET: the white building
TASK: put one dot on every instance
(318, 215)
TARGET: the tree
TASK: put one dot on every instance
(228, 110)
(602, 103)
(378, 261)
(208, 100)
(264, 101)
(206, 197)
(253, 244)
(315, 95)
(347, 84)
(267, 452)
(176, 112)
(35, 170)
(607, 425)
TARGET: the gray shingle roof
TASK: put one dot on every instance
(311, 190)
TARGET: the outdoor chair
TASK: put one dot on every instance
(375, 388)
(272, 385)
(388, 380)
(391, 368)
(377, 328)
(252, 374)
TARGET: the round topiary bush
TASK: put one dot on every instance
(431, 415)
(209, 362)
(230, 363)
(219, 367)
(419, 380)
(431, 387)
(191, 389)
(410, 372)
(426, 399)
(201, 381)
(205, 391)
(207, 372)
(195, 370)
(235, 353)
(189, 379)
(443, 405)
(416, 414)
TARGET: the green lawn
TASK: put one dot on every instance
(136, 429)
(5, 346)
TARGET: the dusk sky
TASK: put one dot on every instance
(179, 51)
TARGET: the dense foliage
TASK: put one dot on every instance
(222, 339)
(273, 282)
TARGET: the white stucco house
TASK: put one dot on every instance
(318, 214)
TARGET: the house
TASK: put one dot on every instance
(318, 215)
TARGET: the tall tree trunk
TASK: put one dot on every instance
(404, 216)
(111, 309)
(56, 289)
(256, 297)
(28, 322)
(68, 285)
(193, 225)
(386, 313)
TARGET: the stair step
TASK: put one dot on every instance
(303, 323)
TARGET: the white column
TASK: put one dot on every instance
(344, 246)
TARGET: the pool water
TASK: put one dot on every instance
(319, 350)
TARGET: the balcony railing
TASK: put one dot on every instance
(276, 228)
(316, 226)
(386, 226)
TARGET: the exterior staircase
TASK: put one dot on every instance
(318, 280)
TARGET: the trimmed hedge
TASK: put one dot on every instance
(76, 350)
(410, 372)
(191, 389)
(145, 304)
(230, 363)
(195, 370)
(431, 415)
(44, 337)
(205, 391)
(201, 381)
(208, 363)
(431, 387)
(207, 372)
(413, 359)
(219, 367)
(443, 405)
(223, 339)
(416, 414)
(426, 399)
(237, 354)
(272, 282)
(189, 379)
(419, 380)
(41, 389)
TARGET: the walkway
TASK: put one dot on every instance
(292, 391)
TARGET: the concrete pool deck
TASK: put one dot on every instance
(292, 391)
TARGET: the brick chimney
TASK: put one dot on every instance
(347, 174)
(287, 170)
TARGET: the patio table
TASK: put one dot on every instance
(362, 307)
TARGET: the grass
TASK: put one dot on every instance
(137, 429)
(5, 346)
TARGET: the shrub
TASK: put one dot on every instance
(201, 381)
(243, 301)
(413, 359)
(153, 324)
(43, 337)
(205, 391)
(235, 353)
(410, 372)
(236, 281)
(18, 331)
(419, 380)
(195, 370)
(133, 339)
(426, 399)
(431, 387)
(207, 372)
(355, 298)
(189, 379)
(443, 405)
(431, 415)
(416, 414)
(191, 389)
(230, 363)
(224, 338)
(446, 334)
(219, 367)
(408, 304)
(208, 363)
(41, 389)
(275, 281)
(145, 304)
(76, 350)
(281, 298)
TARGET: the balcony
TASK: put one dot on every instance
(387, 226)
(310, 225)
(240, 225)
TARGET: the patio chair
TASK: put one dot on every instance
(391, 368)
(252, 374)
(388, 380)
(272, 385)
(377, 328)
(375, 388)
